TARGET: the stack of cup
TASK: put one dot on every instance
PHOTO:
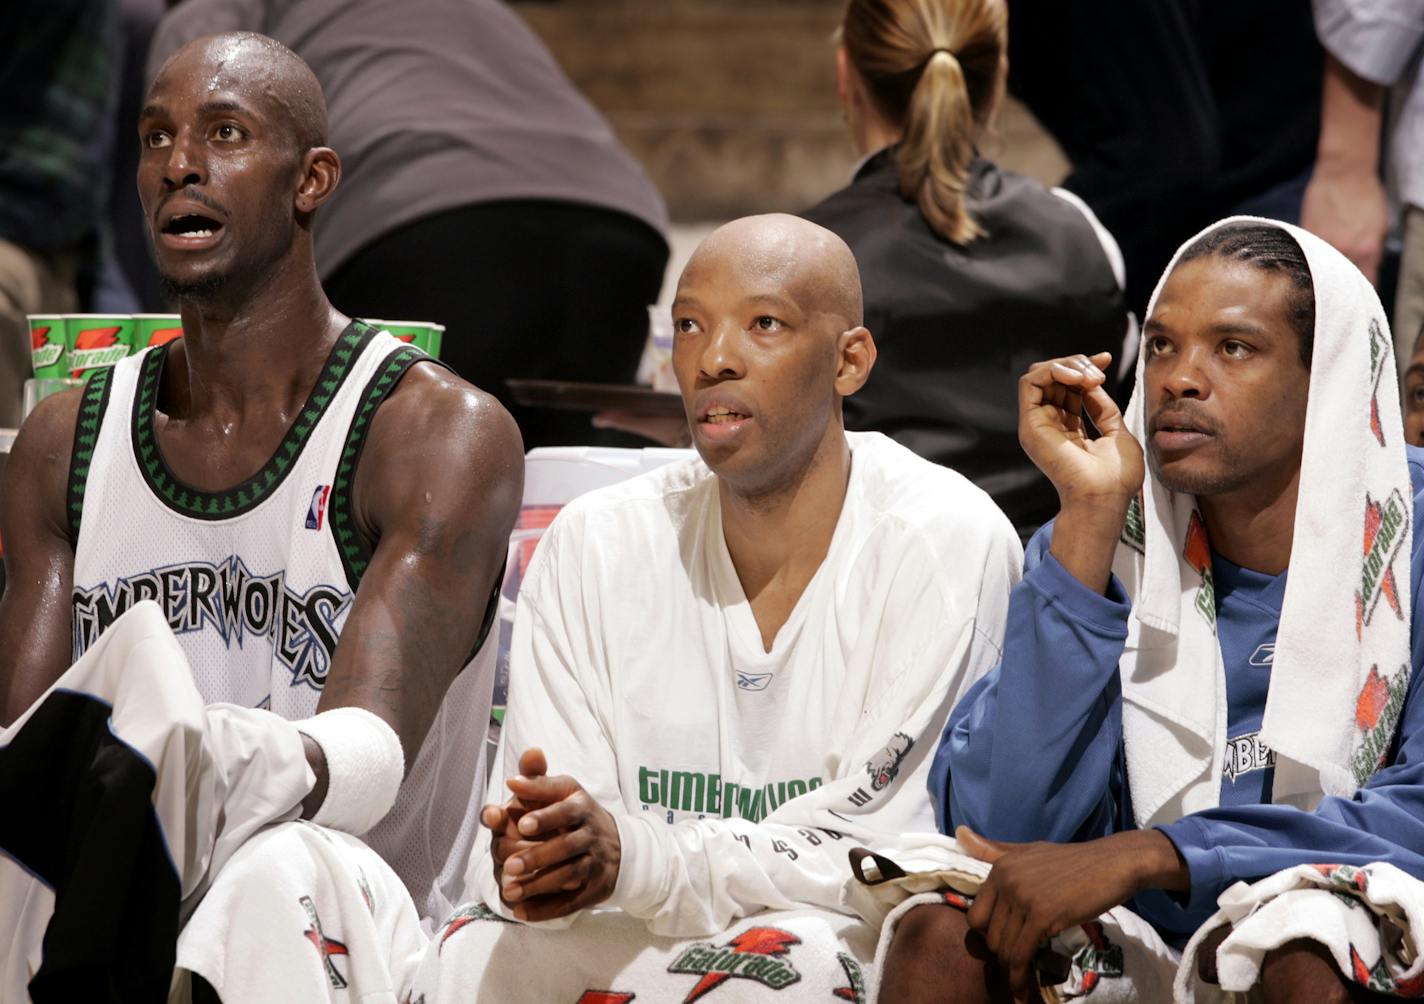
(74, 345)
(422, 334)
(156, 329)
(66, 348)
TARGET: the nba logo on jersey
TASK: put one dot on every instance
(318, 507)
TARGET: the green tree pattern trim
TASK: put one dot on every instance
(355, 554)
(239, 499)
(92, 405)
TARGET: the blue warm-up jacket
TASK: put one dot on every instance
(1034, 750)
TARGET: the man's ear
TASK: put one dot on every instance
(321, 173)
(856, 351)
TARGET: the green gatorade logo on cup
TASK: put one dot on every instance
(155, 329)
(47, 346)
(96, 340)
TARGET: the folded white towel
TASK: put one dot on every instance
(1368, 918)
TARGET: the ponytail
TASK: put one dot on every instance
(937, 146)
(932, 67)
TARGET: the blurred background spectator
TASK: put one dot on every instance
(1376, 47)
(132, 257)
(1173, 113)
(971, 273)
(480, 189)
(56, 99)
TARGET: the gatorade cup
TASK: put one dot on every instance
(418, 333)
(47, 346)
(155, 329)
(96, 340)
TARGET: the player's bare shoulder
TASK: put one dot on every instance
(37, 471)
(436, 434)
(433, 411)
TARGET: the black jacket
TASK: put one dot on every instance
(957, 326)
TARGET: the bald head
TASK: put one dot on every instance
(813, 265)
(233, 166)
(263, 69)
(767, 343)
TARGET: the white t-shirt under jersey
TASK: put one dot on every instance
(739, 777)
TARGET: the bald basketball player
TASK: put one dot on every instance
(321, 514)
(727, 672)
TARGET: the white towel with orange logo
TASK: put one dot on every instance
(1365, 917)
(1342, 661)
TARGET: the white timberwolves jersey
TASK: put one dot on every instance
(256, 581)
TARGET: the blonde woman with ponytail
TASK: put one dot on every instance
(970, 272)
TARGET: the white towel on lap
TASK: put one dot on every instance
(1368, 918)
(1341, 663)
(1117, 958)
(302, 913)
(222, 776)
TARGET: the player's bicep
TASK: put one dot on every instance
(35, 616)
(440, 488)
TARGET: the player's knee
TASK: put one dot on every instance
(933, 957)
(932, 928)
(1302, 970)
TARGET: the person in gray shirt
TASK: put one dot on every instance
(480, 189)
(1374, 47)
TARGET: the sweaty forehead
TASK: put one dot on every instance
(238, 68)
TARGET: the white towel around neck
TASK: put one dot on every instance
(1342, 658)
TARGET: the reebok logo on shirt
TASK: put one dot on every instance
(752, 681)
(1246, 753)
(1264, 655)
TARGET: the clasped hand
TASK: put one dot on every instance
(555, 849)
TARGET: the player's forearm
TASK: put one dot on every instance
(34, 657)
(1235, 843)
(1350, 111)
(1085, 539)
(405, 641)
(695, 877)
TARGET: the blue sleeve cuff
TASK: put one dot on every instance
(1107, 614)
(1204, 864)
